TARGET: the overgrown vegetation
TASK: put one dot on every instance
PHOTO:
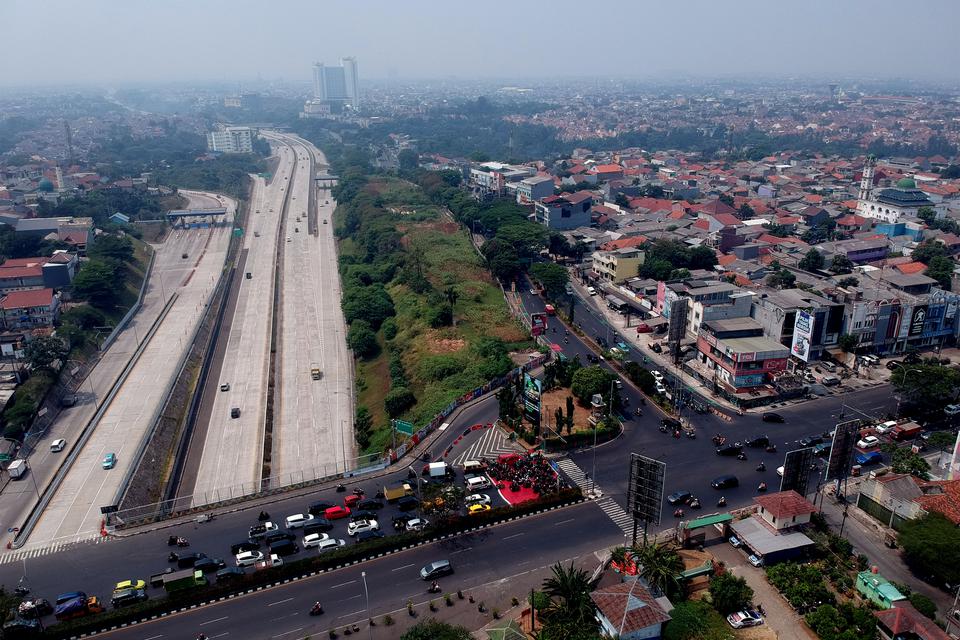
(931, 547)
(426, 317)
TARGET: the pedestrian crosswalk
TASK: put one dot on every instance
(607, 504)
(490, 444)
(37, 551)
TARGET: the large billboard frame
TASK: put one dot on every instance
(841, 450)
(532, 393)
(796, 470)
(802, 335)
(645, 491)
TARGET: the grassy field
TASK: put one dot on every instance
(444, 362)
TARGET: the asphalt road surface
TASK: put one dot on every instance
(232, 448)
(313, 426)
(74, 511)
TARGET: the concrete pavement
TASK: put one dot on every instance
(74, 511)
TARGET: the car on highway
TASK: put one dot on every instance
(284, 548)
(867, 459)
(357, 526)
(235, 412)
(209, 564)
(822, 449)
(319, 508)
(730, 450)
(407, 503)
(258, 531)
(277, 536)
(184, 256)
(758, 441)
(330, 543)
(319, 525)
(477, 508)
(68, 400)
(734, 542)
(134, 583)
(57, 445)
(754, 560)
(229, 573)
(370, 504)
(121, 597)
(248, 558)
(297, 520)
(477, 498)
(314, 539)
(324, 222)
(187, 561)
(743, 619)
(109, 461)
(365, 536)
(337, 512)
(246, 545)
(363, 514)
(417, 524)
(811, 441)
(436, 569)
(780, 471)
(867, 442)
(771, 416)
(725, 482)
(225, 386)
(680, 497)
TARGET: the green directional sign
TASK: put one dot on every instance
(403, 427)
(238, 232)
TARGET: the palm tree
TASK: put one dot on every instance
(660, 566)
(569, 590)
(452, 296)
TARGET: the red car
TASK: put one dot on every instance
(643, 327)
(351, 501)
(336, 513)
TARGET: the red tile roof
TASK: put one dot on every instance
(27, 299)
(947, 503)
(912, 267)
(652, 204)
(629, 607)
(785, 504)
(608, 168)
(21, 272)
(851, 220)
(902, 618)
(715, 207)
(623, 243)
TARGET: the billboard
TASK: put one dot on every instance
(796, 470)
(532, 389)
(802, 335)
(841, 451)
(645, 488)
(917, 319)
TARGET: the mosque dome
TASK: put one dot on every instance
(906, 183)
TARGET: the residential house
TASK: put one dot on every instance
(774, 533)
(904, 622)
(29, 309)
(566, 211)
(629, 611)
(530, 190)
(785, 510)
(895, 498)
(617, 265)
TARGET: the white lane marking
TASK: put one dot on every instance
(279, 602)
(557, 524)
(516, 535)
(406, 566)
(461, 550)
(214, 620)
(219, 635)
(286, 633)
(347, 615)
(342, 584)
(154, 637)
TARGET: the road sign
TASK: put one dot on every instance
(796, 470)
(403, 427)
(645, 488)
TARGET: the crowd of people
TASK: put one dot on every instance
(515, 471)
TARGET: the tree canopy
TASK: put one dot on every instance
(552, 276)
(931, 546)
(433, 629)
(664, 257)
(812, 261)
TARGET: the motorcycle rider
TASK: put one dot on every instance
(722, 502)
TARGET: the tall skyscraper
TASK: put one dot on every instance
(337, 84)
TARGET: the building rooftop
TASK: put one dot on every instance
(733, 324)
(758, 344)
(629, 607)
(763, 541)
(785, 504)
(27, 299)
(904, 621)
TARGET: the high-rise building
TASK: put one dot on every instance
(337, 84)
(231, 139)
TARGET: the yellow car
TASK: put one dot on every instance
(130, 584)
(474, 509)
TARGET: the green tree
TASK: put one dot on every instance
(507, 403)
(730, 593)
(569, 419)
(98, 283)
(927, 388)
(928, 250)
(924, 605)
(812, 261)
(432, 629)
(502, 258)
(781, 279)
(569, 590)
(622, 201)
(745, 211)
(589, 381)
(398, 400)
(777, 230)
(108, 245)
(527, 238)
(941, 440)
(372, 304)
(552, 276)
(931, 547)
(661, 565)
(841, 264)
(849, 281)
(409, 160)
(363, 426)
(689, 620)
(940, 268)
(362, 339)
(848, 342)
(904, 460)
(43, 351)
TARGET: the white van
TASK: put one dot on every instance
(473, 466)
(476, 484)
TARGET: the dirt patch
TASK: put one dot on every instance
(763, 632)
(554, 398)
(437, 344)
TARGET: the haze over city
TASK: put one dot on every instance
(108, 42)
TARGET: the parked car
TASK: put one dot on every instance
(319, 508)
(886, 427)
(246, 545)
(209, 564)
(188, 560)
(743, 619)
(314, 539)
(771, 416)
(830, 381)
(869, 458)
(338, 512)
(229, 573)
(657, 375)
(822, 449)
(277, 536)
(867, 442)
(734, 542)
(477, 508)
(952, 410)
(364, 536)
(591, 291)
(330, 543)
(754, 560)
(417, 524)
(811, 441)
(319, 525)
(370, 504)
(479, 498)
(357, 526)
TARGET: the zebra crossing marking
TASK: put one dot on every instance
(607, 504)
(35, 552)
(492, 443)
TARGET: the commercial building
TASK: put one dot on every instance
(493, 179)
(530, 190)
(20, 274)
(807, 323)
(77, 232)
(225, 139)
(566, 211)
(774, 533)
(738, 355)
(339, 84)
(618, 265)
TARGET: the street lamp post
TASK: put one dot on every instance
(366, 594)
(903, 381)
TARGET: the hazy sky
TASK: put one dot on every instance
(116, 41)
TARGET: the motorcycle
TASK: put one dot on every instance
(762, 486)
(695, 503)
(772, 448)
(179, 541)
(637, 412)
(678, 513)
(341, 488)
(316, 609)
(741, 456)
(410, 474)
(761, 467)
(663, 429)
(379, 495)
(173, 557)
(691, 434)
(21, 591)
(434, 588)
(722, 502)
(676, 433)
(643, 401)
(359, 492)
(263, 517)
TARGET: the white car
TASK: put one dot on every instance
(249, 558)
(591, 291)
(657, 375)
(357, 526)
(742, 619)
(314, 539)
(886, 427)
(660, 388)
(298, 520)
(780, 471)
(57, 445)
(477, 498)
(417, 524)
(868, 441)
(755, 561)
(330, 543)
